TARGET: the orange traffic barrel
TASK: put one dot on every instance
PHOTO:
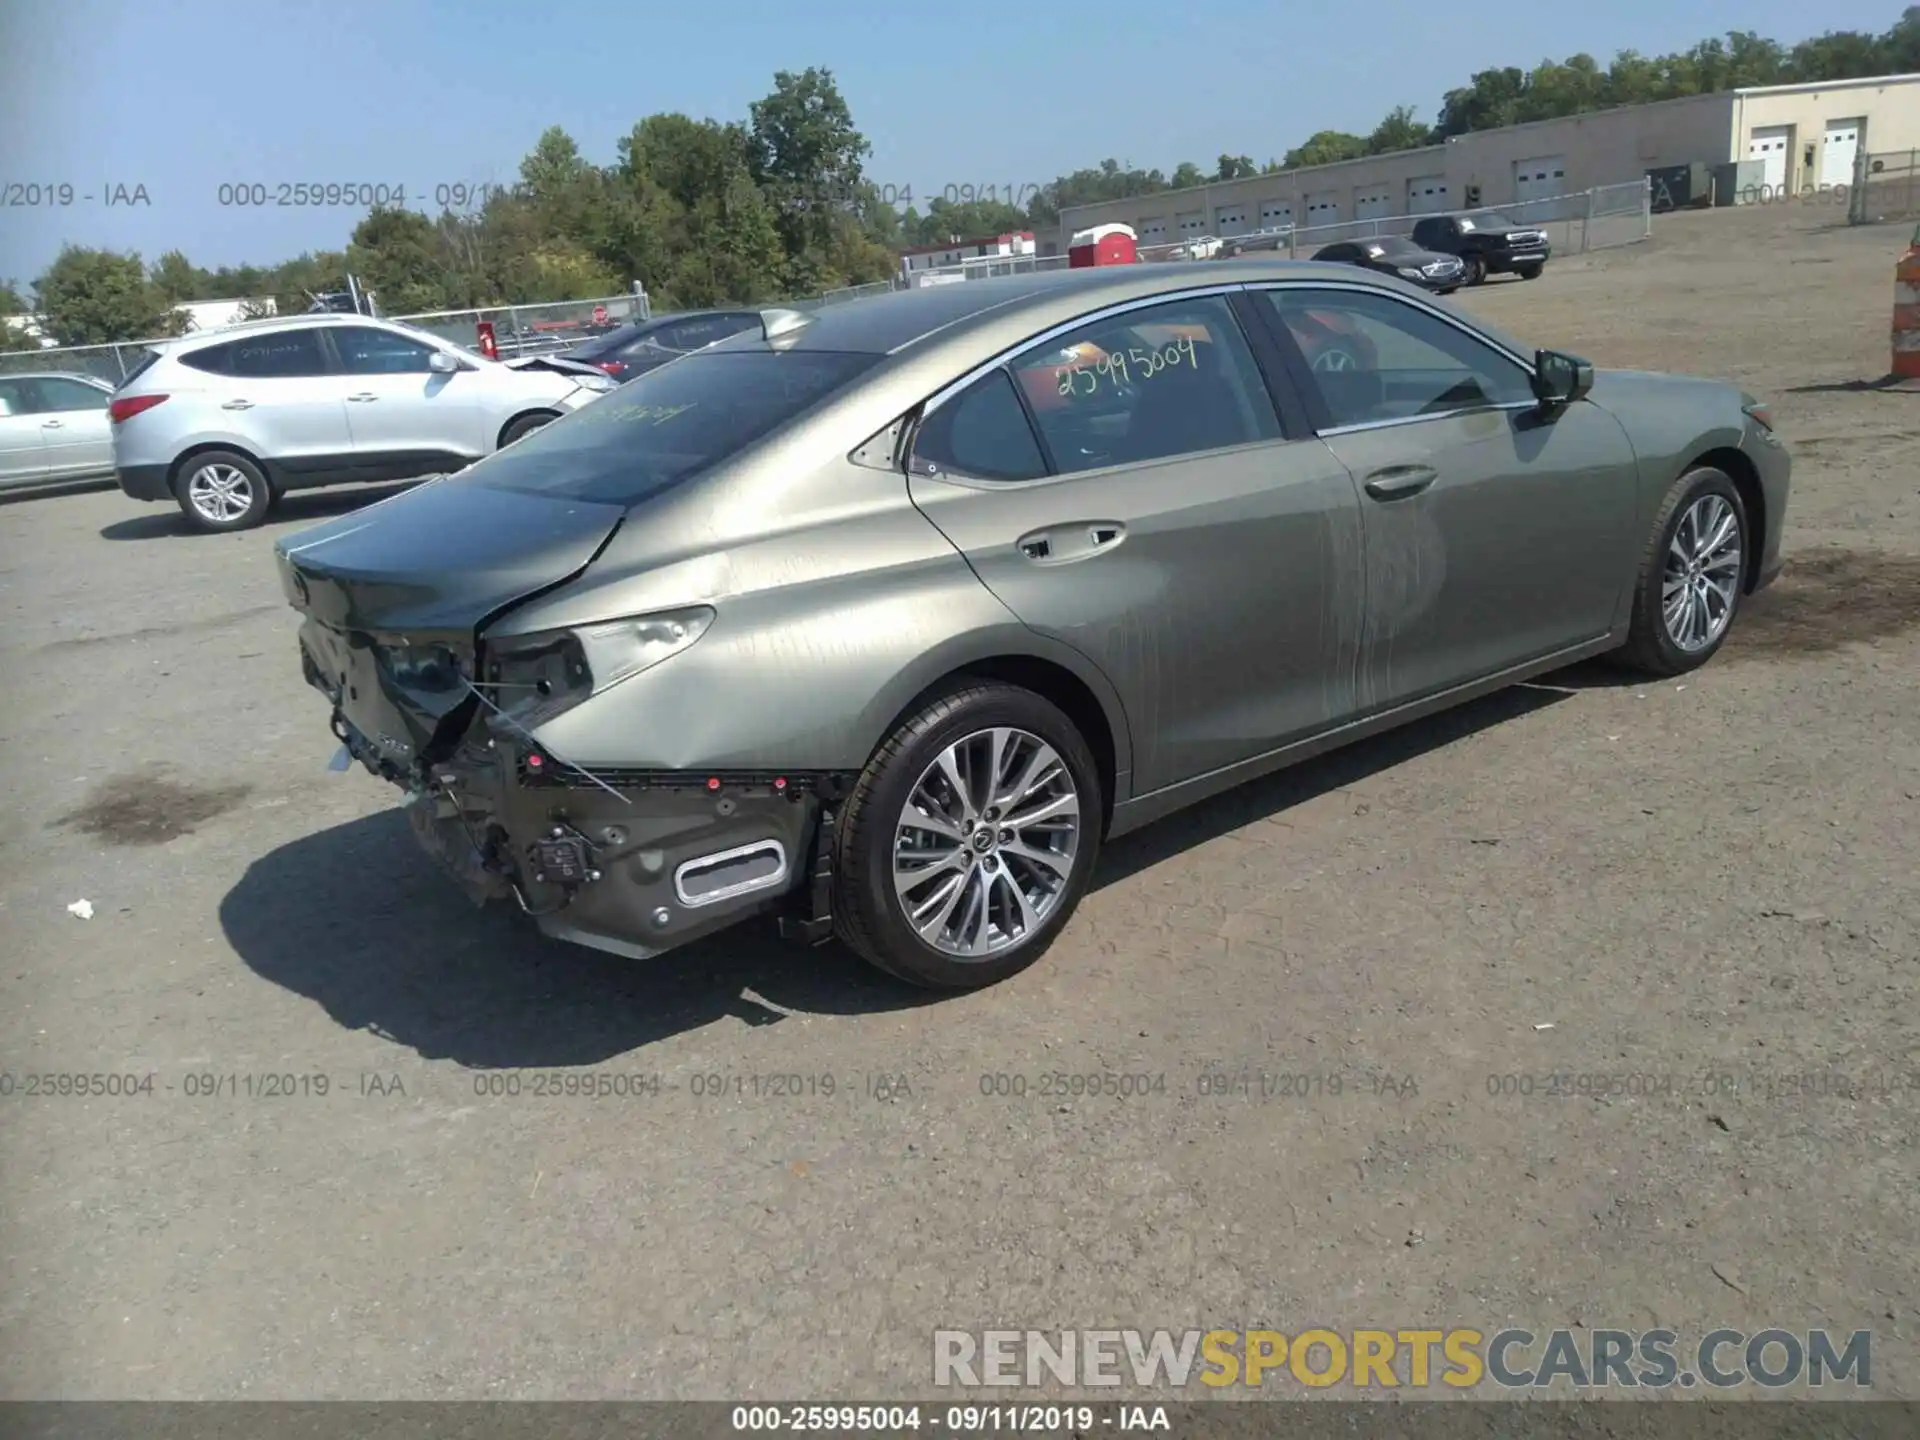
(1906, 312)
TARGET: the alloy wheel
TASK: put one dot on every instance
(220, 494)
(986, 841)
(1701, 578)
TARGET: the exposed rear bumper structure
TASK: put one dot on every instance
(635, 862)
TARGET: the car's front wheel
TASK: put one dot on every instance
(1476, 270)
(1691, 576)
(524, 425)
(1529, 272)
(969, 838)
(222, 490)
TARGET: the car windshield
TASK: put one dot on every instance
(668, 425)
(1485, 220)
(1391, 245)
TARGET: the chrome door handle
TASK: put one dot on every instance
(238, 405)
(363, 396)
(1396, 482)
(49, 424)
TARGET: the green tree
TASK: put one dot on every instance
(1325, 147)
(180, 280)
(1235, 167)
(808, 160)
(1399, 131)
(397, 255)
(98, 297)
(12, 303)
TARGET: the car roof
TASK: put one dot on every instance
(890, 324)
(194, 338)
(55, 375)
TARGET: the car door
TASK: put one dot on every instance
(278, 397)
(1125, 486)
(1493, 528)
(73, 423)
(408, 418)
(23, 450)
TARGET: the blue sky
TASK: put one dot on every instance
(180, 98)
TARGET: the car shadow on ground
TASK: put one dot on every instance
(303, 507)
(356, 919)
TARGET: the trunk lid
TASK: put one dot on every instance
(394, 594)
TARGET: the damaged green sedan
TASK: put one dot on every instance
(883, 618)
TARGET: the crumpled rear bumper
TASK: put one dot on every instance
(632, 862)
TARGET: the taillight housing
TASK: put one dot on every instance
(123, 408)
(612, 367)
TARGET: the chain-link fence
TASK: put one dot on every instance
(1886, 186)
(985, 267)
(1596, 219)
(112, 363)
(543, 329)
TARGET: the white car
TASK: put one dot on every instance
(224, 422)
(53, 426)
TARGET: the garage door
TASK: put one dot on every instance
(1768, 144)
(1324, 208)
(1540, 177)
(1276, 214)
(1427, 195)
(1230, 220)
(1372, 203)
(1191, 223)
(1836, 155)
(1154, 231)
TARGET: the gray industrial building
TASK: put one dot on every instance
(1796, 135)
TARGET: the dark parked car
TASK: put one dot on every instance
(1487, 242)
(829, 618)
(645, 345)
(1397, 255)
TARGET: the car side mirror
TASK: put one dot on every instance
(442, 363)
(1560, 379)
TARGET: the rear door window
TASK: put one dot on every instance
(287, 355)
(668, 425)
(1148, 384)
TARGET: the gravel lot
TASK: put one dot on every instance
(1713, 878)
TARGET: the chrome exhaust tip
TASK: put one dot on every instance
(729, 874)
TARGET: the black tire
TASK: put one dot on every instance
(868, 914)
(1476, 270)
(524, 425)
(1529, 272)
(1650, 646)
(221, 491)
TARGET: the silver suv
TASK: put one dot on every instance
(225, 422)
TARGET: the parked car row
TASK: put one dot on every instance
(1445, 252)
(223, 422)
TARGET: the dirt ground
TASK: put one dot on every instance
(1710, 884)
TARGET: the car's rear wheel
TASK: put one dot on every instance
(1476, 270)
(1529, 272)
(969, 839)
(524, 425)
(221, 490)
(1691, 576)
